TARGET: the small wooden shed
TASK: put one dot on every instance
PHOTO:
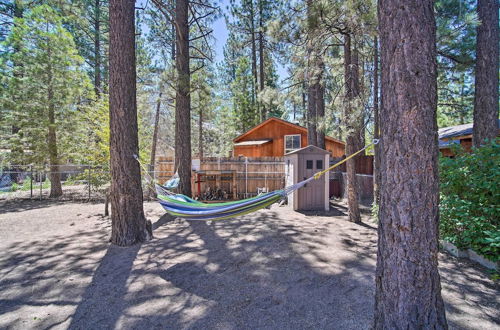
(300, 165)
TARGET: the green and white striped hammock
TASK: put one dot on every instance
(181, 206)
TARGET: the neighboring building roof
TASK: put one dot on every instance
(456, 131)
(253, 142)
(447, 143)
(309, 148)
(303, 129)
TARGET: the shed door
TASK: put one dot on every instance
(311, 197)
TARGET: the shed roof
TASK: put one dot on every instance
(456, 131)
(301, 128)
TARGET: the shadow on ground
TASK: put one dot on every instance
(274, 269)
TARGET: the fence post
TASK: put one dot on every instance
(88, 179)
(246, 177)
(31, 181)
(40, 179)
(265, 181)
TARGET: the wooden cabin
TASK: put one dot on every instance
(460, 134)
(275, 137)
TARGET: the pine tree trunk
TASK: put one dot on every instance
(97, 47)
(55, 175)
(408, 289)
(352, 131)
(358, 113)
(312, 137)
(261, 58)
(17, 150)
(128, 224)
(312, 81)
(172, 46)
(486, 87)
(376, 126)
(152, 159)
(183, 99)
(254, 61)
(320, 115)
(200, 133)
(320, 104)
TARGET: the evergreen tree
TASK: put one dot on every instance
(43, 95)
(248, 22)
(456, 21)
(487, 64)
(408, 289)
(129, 225)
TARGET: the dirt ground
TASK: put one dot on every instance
(275, 269)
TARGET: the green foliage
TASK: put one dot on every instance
(42, 74)
(95, 150)
(245, 112)
(456, 23)
(240, 77)
(470, 200)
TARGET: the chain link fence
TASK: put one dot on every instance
(78, 182)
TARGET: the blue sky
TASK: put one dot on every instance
(220, 31)
(221, 35)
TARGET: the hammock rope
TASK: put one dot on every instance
(182, 206)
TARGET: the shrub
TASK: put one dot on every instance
(470, 200)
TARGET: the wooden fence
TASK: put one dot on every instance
(364, 164)
(240, 177)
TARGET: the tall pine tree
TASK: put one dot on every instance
(42, 95)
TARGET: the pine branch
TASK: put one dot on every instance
(455, 59)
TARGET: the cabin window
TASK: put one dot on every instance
(292, 142)
(319, 164)
(309, 164)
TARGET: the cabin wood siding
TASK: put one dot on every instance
(276, 129)
(465, 143)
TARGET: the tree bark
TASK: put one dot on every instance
(254, 60)
(320, 115)
(376, 126)
(486, 87)
(312, 137)
(312, 79)
(128, 224)
(183, 98)
(55, 175)
(97, 47)
(408, 289)
(352, 131)
(172, 46)
(358, 113)
(152, 159)
(200, 133)
(263, 113)
(17, 150)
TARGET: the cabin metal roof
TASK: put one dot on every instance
(456, 131)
